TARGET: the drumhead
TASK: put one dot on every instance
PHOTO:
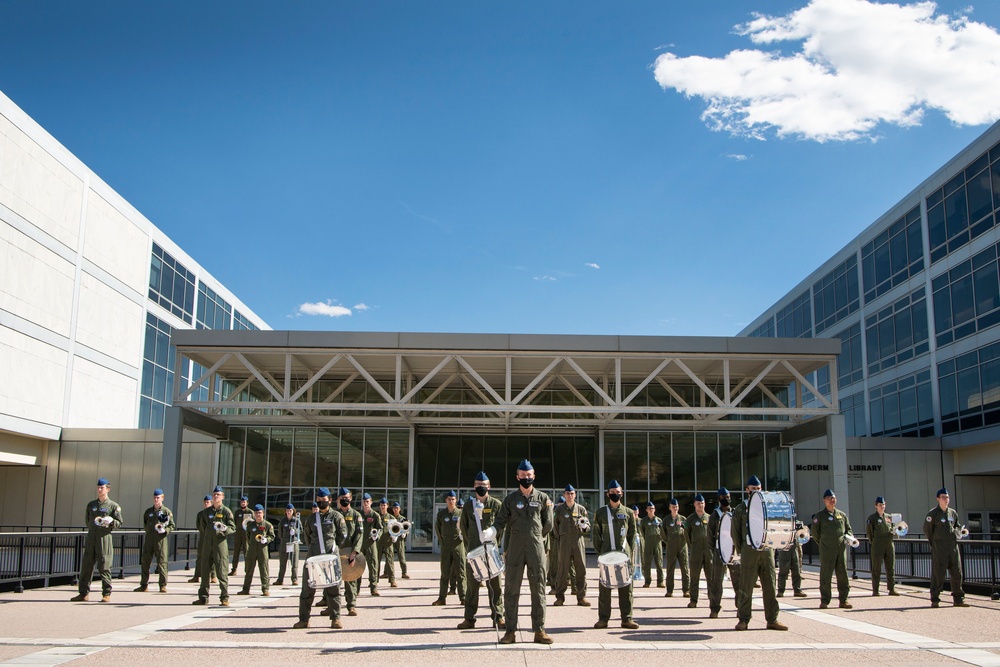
(322, 557)
(726, 545)
(477, 553)
(756, 518)
(613, 558)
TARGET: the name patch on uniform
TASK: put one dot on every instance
(486, 510)
(533, 504)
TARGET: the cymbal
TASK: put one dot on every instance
(351, 572)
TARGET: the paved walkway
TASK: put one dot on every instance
(41, 627)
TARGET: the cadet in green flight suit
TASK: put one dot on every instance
(572, 552)
(218, 522)
(830, 527)
(881, 533)
(674, 533)
(614, 529)
(351, 545)
(941, 528)
(790, 562)
(202, 544)
(754, 565)
(399, 548)
(323, 533)
(369, 541)
(719, 566)
(652, 545)
(700, 548)
(260, 533)
(385, 544)
(452, 548)
(158, 522)
(485, 507)
(289, 538)
(242, 516)
(103, 515)
(526, 514)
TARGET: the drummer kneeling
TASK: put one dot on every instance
(613, 533)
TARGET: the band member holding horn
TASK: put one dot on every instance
(369, 544)
(652, 546)
(943, 532)
(719, 566)
(158, 522)
(485, 508)
(218, 522)
(260, 533)
(323, 532)
(351, 545)
(202, 544)
(571, 523)
(243, 516)
(400, 545)
(832, 531)
(452, 549)
(385, 544)
(674, 533)
(103, 515)
(881, 533)
(754, 565)
(289, 539)
(700, 548)
(526, 513)
(614, 530)
(790, 562)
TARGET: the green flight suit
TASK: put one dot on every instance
(754, 565)
(98, 547)
(200, 521)
(829, 529)
(322, 533)
(572, 564)
(242, 517)
(289, 536)
(355, 527)
(674, 533)
(369, 547)
(879, 530)
(700, 549)
(470, 534)
(154, 544)
(790, 560)
(719, 567)
(652, 549)
(940, 528)
(385, 549)
(452, 551)
(551, 559)
(398, 550)
(216, 550)
(258, 554)
(527, 520)
(617, 535)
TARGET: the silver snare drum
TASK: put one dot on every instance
(324, 571)
(771, 520)
(726, 547)
(485, 562)
(615, 569)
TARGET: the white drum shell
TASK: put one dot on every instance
(324, 571)
(485, 562)
(726, 547)
(771, 520)
(614, 569)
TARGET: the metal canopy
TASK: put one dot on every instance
(503, 381)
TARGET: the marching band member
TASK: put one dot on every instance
(289, 536)
(218, 523)
(881, 533)
(323, 532)
(716, 581)
(103, 515)
(385, 545)
(260, 533)
(351, 546)
(700, 549)
(790, 561)
(614, 530)
(754, 565)
(572, 551)
(452, 548)
(652, 546)
(399, 549)
(371, 533)
(202, 544)
(158, 522)
(674, 533)
(942, 529)
(240, 538)
(830, 527)
(487, 509)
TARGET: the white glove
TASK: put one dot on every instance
(488, 535)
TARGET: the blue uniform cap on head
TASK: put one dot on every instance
(289, 506)
(366, 496)
(569, 487)
(879, 500)
(829, 494)
(383, 501)
(322, 491)
(217, 489)
(102, 482)
(723, 491)
(698, 498)
(461, 503)
(315, 504)
(673, 501)
(481, 477)
(344, 491)
(244, 497)
(451, 494)
(649, 503)
(258, 508)
(943, 491)
(635, 508)
(525, 465)
(208, 497)
(157, 492)
(753, 481)
(395, 504)
(613, 484)
(562, 499)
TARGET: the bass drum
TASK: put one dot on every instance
(726, 546)
(771, 520)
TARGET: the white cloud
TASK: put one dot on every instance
(320, 308)
(739, 157)
(861, 63)
(361, 306)
(545, 278)
(592, 265)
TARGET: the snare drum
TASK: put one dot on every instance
(615, 569)
(726, 546)
(485, 562)
(324, 571)
(771, 520)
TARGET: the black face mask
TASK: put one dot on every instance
(481, 491)
(322, 504)
(724, 501)
(526, 482)
(614, 497)
(345, 502)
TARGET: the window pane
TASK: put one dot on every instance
(425, 460)
(448, 461)
(495, 464)
(683, 462)
(987, 288)
(636, 463)
(586, 463)
(969, 393)
(279, 472)
(352, 443)
(256, 454)
(614, 457)
(659, 461)
(963, 306)
(304, 458)
(731, 457)
(376, 455)
(753, 453)
(399, 458)
(707, 450)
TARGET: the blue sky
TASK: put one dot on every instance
(523, 167)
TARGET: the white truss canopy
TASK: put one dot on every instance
(503, 381)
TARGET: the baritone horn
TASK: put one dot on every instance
(901, 529)
(373, 534)
(395, 529)
(219, 527)
(851, 541)
(160, 528)
(803, 535)
(583, 523)
(406, 528)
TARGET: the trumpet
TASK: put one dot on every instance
(583, 523)
(962, 532)
(262, 538)
(901, 529)
(803, 535)
(851, 541)
(395, 529)
(160, 528)
(220, 527)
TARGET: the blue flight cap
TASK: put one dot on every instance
(157, 492)
(451, 494)
(366, 496)
(322, 491)
(723, 491)
(569, 487)
(673, 501)
(650, 503)
(698, 498)
(879, 499)
(635, 508)
(244, 497)
(217, 489)
(525, 465)
(383, 501)
(315, 504)
(344, 491)
(102, 482)
(395, 504)
(613, 484)
(208, 497)
(943, 491)
(289, 506)
(562, 499)
(829, 494)
(258, 508)
(481, 477)
(461, 503)
(753, 481)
